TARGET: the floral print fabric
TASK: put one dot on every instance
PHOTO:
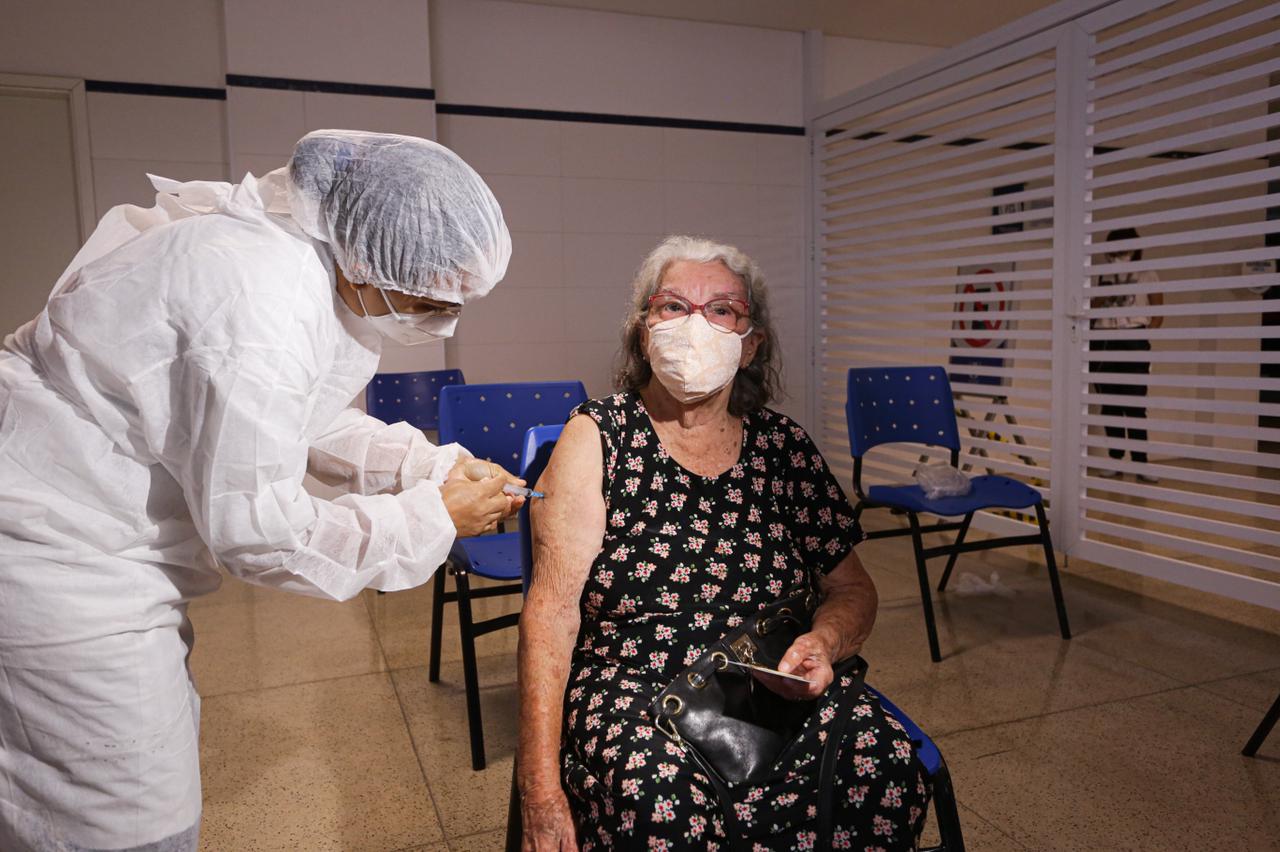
(684, 559)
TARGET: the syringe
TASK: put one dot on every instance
(477, 470)
(518, 491)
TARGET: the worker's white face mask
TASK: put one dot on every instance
(409, 329)
(692, 359)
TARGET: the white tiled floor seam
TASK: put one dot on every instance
(260, 690)
(404, 716)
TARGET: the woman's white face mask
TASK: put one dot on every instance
(692, 359)
(409, 329)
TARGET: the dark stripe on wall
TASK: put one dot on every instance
(117, 88)
(292, 85)
(610, 118)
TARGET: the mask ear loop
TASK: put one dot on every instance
(360, 299)
(408, 320)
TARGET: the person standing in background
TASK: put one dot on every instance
(1137, 343)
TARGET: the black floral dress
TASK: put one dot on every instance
(684, 558)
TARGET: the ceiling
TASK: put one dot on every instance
(934, 22)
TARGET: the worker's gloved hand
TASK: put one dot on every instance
(475, 507)
(478, 469)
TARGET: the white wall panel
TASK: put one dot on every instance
(382, 42)
(611, 151)
(523, 55)
(598, 205)
(536, 261)
(140, 41)
(505, 146)
(265, 121)
(714, 210)
(781, 159)
(529, 202)
(696, 155)
(156, 128)
(605, 260)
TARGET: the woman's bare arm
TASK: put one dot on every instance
(568, 531)
(841, 624)
(848, 610)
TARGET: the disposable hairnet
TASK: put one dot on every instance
(400, 213)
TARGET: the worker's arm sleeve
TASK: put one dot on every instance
(362, 455)
(231, 432)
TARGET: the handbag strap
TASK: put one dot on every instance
(733, 827)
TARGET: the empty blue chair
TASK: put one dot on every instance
(888, 405)
(411, 397)
(490, 421)
(539, 443)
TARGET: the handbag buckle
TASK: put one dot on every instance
(743, 648)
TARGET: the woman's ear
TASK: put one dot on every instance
(750, 346)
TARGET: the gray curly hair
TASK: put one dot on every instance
(755, 385)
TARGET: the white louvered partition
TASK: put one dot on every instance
(961, 217)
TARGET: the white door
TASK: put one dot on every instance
(41, 213)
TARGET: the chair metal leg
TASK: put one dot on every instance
(437, 623)
(944, 808)
(925, 598)
(471, 679)
(515, 823)
(951, 560)
(1063, 626)
(1264, 728)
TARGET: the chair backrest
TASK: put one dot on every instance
(411, 397)
(888, 405)
(490, 420)
(538, 444)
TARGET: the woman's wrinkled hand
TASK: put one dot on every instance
(548, 823)
(809, 658)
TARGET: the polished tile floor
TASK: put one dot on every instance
(321, 732)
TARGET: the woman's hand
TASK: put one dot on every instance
(808, 657)
(547, 822)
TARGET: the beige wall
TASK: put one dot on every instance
(584, 201)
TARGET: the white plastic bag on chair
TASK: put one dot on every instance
(942, 480)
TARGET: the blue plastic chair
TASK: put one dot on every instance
(411, 397)
(538, 446)
(490, 421)
(888, 405)
(944, 796)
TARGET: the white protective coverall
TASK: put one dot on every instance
(159, 416)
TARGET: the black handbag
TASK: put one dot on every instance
(735, 728)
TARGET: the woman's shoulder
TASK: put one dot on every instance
(770, 423)
(612, 412)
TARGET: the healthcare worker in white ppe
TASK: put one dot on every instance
(157, 419)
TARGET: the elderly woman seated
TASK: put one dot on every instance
(674, 510)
